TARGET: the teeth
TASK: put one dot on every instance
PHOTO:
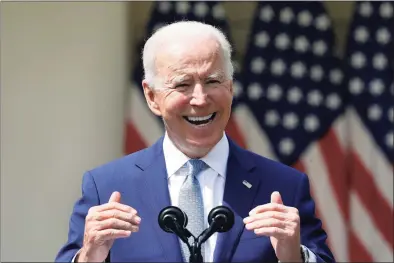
(200, 118)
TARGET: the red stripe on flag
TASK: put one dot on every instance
(133, 140)
(234, 132)
(335, 160)
(378, 208)
(357, 251)
(299, 165)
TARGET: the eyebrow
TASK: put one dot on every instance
(215, 75)
(185, 77)
(179, 78)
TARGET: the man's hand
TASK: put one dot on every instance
(281, 223)
(104, 224)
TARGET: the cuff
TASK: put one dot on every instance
(76, 254)
(310, 256)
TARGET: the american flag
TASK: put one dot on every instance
(140, 134)
(292, 104)
(370, 81)
(295, 99)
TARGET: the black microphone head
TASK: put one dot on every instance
(223, 217)
(169, 215)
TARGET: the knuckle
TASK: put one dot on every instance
(131, 218)
(92, 210)
(275, 214)
(295, 218)
(101, 225)
(89, 217)
(112, 222)
(104, 224)
(97, 217)
(126, 225)
(133, 211)
(115, 214)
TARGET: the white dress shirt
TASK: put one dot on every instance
(212, 181)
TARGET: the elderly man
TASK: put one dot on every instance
(196, 167)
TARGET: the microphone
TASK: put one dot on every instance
(174, 220)
(220, 219)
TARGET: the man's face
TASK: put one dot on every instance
(194, 98)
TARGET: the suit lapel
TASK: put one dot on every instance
(157, 197)
(238, 197)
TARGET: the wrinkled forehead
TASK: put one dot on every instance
(199, 57)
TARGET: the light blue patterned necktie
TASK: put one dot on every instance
(191, 202)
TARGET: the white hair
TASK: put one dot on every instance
(183, 30)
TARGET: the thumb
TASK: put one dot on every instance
(276, 198)
(115, 197)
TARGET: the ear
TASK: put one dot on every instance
(231, 87)
(151, 98)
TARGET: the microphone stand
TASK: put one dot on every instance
(195, 252)
(195, 248)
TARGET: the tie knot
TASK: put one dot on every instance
(195, 166)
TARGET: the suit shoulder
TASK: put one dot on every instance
(125, 162)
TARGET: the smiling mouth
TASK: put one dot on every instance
(201, 121)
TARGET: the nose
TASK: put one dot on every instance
(199, 96)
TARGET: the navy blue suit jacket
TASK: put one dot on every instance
(142, 181)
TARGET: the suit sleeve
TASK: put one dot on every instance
(88, 199)
(313, 235)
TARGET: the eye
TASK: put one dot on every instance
(213, 81)
(181, 85)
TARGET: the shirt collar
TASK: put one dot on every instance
(216, 158)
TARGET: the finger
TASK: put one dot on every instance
(272, 232)
(115, 213)
(114, 223)
(115, 197)
(115, 205)
(110, 234)
(264, 223)
(266, 215)
(276, 198)
(269, 207)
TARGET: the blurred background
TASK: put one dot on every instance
(314, 90)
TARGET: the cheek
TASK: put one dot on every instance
(177, 103)
(223, 97)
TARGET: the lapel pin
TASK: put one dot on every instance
(247, 184)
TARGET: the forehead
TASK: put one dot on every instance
(194, 58)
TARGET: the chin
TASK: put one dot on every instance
(205, 143)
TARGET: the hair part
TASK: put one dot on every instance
(182, 30)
